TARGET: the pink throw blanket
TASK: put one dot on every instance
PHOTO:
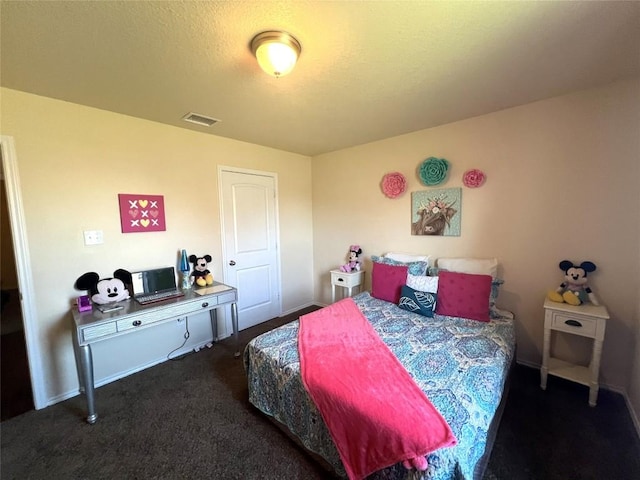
(375, 412)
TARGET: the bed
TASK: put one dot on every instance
(461, 364)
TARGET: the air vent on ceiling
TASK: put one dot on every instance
(199, 119)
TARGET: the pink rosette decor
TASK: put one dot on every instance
(393, 184)
(473, 178)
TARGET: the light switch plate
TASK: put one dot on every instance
(93, 237)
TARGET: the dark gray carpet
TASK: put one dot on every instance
(556, 435)
(190, 418)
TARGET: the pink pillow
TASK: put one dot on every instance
(464, 295)
(387, 281)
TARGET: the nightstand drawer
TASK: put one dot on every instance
(346, 279)
(586, 327)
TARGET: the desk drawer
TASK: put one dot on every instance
(577, 325)
(98, 331)
(227, 297)
(135, 322)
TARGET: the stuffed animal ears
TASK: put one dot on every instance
(88, 281)
(586, 266)
(194, 258)
(124, 275)
(565, 265)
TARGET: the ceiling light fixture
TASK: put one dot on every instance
(276, 52)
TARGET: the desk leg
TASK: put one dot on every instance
(87, 375)
(79, 367)
(333, 293)
(213, 315)
(234, 322)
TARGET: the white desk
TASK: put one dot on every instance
(94, 326)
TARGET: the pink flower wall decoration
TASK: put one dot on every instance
(393, 184)
(473, 178)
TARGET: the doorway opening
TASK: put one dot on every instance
(15, 382)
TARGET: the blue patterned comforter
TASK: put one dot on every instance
(460, 364)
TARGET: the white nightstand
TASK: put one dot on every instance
(346, 280)
(586, 320)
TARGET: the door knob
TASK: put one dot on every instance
(232, 263)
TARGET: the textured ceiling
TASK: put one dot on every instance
(368, 70)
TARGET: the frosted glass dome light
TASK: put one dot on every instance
(276, 52)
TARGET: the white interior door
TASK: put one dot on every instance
(250, 248)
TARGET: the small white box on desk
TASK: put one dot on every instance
(346, 280)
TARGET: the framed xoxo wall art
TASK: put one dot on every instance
(141, 213)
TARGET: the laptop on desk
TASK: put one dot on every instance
(155, 285)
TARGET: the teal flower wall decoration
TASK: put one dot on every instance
(433, 171)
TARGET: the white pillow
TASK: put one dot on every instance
(408, 258)
(422, 283)
(478, 266)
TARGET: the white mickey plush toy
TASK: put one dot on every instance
(107, 290)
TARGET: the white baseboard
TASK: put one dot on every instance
(528, 364)
(293, 310)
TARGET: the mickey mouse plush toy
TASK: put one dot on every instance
(107, 290)
(574, 290)
(201, 275)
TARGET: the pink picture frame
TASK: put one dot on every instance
(141, 213)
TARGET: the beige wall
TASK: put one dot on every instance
(74, 160)
(562, 181)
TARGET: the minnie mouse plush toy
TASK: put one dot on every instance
(354, 260)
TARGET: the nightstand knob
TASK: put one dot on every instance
(573, 323)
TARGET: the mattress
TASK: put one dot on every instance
(462, 366)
